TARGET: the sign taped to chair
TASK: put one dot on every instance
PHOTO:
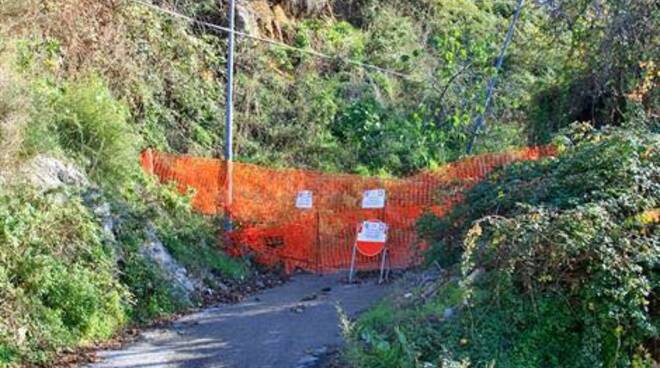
(371, 237)
(373, 199)
(305, 199)
(373, 232)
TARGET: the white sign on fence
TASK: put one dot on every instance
(304, 199)
(373, 232)
(374, 198)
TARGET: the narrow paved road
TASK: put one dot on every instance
(278, 328)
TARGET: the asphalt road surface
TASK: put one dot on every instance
(282, 327)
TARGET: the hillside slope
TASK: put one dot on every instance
(292, 108)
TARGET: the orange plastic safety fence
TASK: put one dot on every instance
(321, 239)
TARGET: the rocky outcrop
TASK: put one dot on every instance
(271, 19)
(260, 18)
(52, 175)
(154, 249)
(47, 173)
(246, 19)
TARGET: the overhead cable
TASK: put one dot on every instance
(309, 51)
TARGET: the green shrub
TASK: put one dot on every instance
(86, 122)
(154, 294)
(61, 302)
(174, 87)
(58, 283)
(191, 238)
(614, 62)
(602, 168)
(568, 249)
(193, 241)
(384, 141)
(398, 333)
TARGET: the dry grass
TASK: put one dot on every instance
(13, 116)
(15, 16)
(92, 34)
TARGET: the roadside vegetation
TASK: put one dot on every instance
(73, 265)
(547, 264)
(551, 263)
(65, 280)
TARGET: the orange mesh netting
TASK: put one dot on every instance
(321, 239)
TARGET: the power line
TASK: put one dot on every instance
(272, 42)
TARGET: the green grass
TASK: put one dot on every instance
(87, 123)
(59, 285)
(199, 258)
(193, 239)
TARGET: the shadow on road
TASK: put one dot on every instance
(278, 328)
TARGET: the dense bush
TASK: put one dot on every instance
(85, 121)
(294, 109)
(569, 249)
(154, 295)
(593, 172)
(64, 282)
(191, 239)
(612, 60)
(58, 283)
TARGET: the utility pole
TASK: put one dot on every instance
(481, 120)
(229, 146)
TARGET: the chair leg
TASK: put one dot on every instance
(352, 270)
(382, 266)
